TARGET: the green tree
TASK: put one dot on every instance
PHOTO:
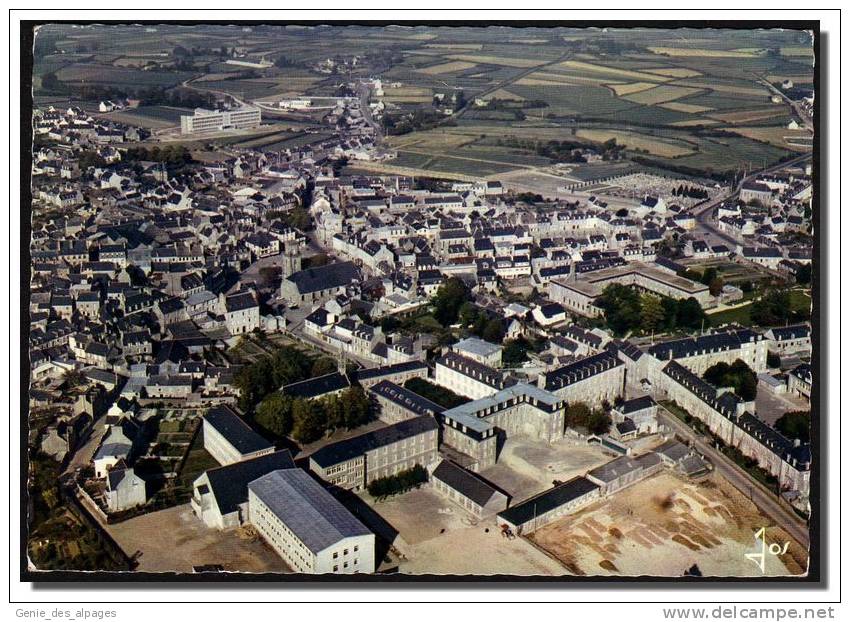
(772, 309)
(689, 313)
(738, 375)
(274, 414)
(308, 422)
(796, 425)
(804, 274)
(322, 366)
(715, 286)
(708, 276)
(651, 313)
(494, 331)
(448, 300)
(468, 313)
(299, 218)
(357, 407)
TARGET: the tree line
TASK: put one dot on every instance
(628, 310)
(307, 420)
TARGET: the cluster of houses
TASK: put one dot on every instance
(75, 127)
(143, 277)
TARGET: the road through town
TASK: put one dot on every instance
(775, 509)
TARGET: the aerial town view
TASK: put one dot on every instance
(421, 300)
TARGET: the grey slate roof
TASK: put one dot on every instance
(324, 277)
(548, 501)
(313, 515)
(229, 484)
(345, 450)
(470, 485)
(238, 433)
(405, 398)
(314, 387)
(639, 403)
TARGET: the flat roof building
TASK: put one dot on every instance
(217, 120)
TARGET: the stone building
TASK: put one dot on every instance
(590, 380)
(355, 462)
(727, 416)
(468, 490)
(800, 381)
(398, 404)
(550, 505)
(467, 377)
(220, 495)
(316, 284)
(124, 489)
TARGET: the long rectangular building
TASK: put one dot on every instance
(726, 415)
(579, 295)
(217, 120)
(312, 531)
(590, 380)
(550, 505)
(229, 439)
(354, 462)
(400, 404)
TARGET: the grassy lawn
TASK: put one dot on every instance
(739, 315)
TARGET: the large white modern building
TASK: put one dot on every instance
(307, 527)
(217, 120)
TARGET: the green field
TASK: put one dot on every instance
(576, 73)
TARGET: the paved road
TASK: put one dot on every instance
(706, 226)
(767, 502)
(365, 92)
(802, 114)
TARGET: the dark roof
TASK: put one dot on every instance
(313, 387)
(799, 331)
(324, 277)
(548, 501)
(229, 483)
(673, 449)
(551, 309)
(580, 370)
(715, 342)
(639, 403)
(405, 398)
(626, 426)
(468, 484)
(238, 433)
(387, 370)
(345, 450)
(240, 301)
